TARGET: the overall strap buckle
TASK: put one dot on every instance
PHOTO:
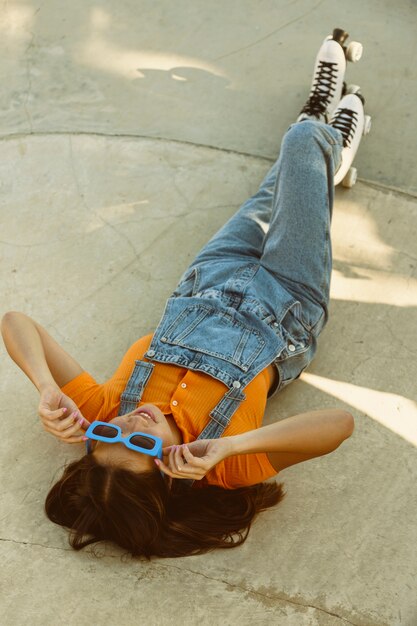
(135, 386)
(223, 412)
(221, 415)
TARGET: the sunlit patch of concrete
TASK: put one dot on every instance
(397, 413)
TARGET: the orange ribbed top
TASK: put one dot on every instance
(188, 396)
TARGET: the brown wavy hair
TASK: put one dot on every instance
(142, 514)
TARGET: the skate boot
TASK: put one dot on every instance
(350, 119)
(328, 84)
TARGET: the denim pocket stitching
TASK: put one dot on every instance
(203, 311)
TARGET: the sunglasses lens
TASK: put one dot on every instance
(143, 442)
(105, 431)
(109, 432)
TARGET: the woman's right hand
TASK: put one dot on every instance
(60, 415)
(194, 460)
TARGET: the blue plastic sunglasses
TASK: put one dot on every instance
(112, 433)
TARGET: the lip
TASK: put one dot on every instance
(147, 411)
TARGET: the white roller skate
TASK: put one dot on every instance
(350, 119)
(328, 84)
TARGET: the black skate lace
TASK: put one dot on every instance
(345, 120)
(321, 91)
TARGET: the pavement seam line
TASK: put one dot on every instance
(221, 580)
(29, 543)
(134, 136)
(258, 593)
(41, 545)
(364, 181)
(381, 187)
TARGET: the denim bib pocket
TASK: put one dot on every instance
(208, 329)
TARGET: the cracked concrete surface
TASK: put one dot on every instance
(129, 133)
(119, 68)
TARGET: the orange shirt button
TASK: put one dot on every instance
(174, 402)
(183, 385)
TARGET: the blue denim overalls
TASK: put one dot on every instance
(257, 293)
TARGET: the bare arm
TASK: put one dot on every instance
(289, 441)
(49, 367)
(298, 438)
(40, 357)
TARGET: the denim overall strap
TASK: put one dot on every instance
(220, 417)
(222, 413)
(135, 386)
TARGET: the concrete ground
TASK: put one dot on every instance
(130, 132)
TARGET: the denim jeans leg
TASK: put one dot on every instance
(242, 236)
(297, 248)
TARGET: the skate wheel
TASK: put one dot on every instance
(354, 51)
(367, 124)
(339, 35)
(352, 88)
(350, 178)
(355, 89)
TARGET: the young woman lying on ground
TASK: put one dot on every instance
(176, 454)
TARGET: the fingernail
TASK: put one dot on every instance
(75, 414)
(64, 410)
(84, 438)
(156, 461)
(81, 420)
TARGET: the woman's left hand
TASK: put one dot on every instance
(60, 415)
(206, 453)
